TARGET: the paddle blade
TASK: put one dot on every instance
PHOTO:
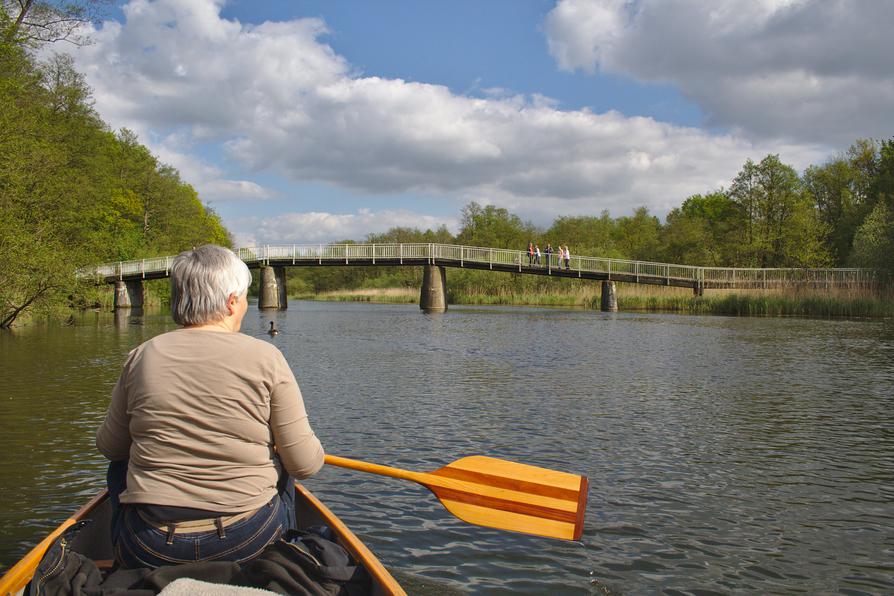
(510, 496)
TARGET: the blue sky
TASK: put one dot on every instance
(469, 46)
(313, 121)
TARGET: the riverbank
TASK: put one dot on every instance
(632, 298)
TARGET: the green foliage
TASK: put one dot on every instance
(586, 235)
(73, 194)
(843, 191)
(702, 231)
(874, 240)
(638, 237)
(494, 227)
(779, 223)
(400, 235)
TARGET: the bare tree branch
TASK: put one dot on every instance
(36, 22)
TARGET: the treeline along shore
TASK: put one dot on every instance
(74, 193)
(838, 214)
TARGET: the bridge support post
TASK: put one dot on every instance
(433, 297)
(273, 293)
(609, 301)
(698, 289)
(129, 294)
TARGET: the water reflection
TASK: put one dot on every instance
(726, 455)
(128, 316)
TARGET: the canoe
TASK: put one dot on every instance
(94, 542)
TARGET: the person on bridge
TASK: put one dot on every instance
(537, 254)
(567, 254)
(530, 253)
(205, 429)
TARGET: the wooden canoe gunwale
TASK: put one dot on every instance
(18, 576)
(352, 543)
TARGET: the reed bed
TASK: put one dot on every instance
(802, 302)
(847, 303)
(378, 295)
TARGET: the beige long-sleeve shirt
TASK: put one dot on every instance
(198, 414)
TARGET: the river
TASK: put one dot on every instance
(725, 455)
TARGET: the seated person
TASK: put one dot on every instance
(205, 429)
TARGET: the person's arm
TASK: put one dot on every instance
(296, 444)
(113, 436)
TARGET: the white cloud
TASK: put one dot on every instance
(279, 100)
(812, 71)
(580, 34)
(314, 226)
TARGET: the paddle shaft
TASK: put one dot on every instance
(431, 481)
(362, 466)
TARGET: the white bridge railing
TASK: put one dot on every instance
(456, 255)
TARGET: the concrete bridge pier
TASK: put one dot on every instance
(273, 293)
(609, 301)
(433, 297)
(129, 294)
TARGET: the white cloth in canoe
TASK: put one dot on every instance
(192, 587)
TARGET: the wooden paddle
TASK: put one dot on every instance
(499, 494)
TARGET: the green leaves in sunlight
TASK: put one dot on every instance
(72, 193)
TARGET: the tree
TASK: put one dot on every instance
(883, 184)
(35, 270)
(686, 239)
(33, 23)
(874, 240)
(73, 194)
(401, 235)
(638, 237)
(586, 235)
(716, 214)
(494, 227)
(842, 190)
(780, 224)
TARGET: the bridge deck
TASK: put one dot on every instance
(509, 261)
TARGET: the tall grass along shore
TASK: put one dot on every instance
(853, 303)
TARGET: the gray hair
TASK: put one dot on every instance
(202, 280)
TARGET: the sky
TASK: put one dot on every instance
(306, 121)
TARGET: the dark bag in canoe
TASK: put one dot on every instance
(62, 571)
(306, 564)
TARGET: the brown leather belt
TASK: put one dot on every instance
(199, 525)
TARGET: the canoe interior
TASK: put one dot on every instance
(94, 541)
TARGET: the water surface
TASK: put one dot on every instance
(725, 455)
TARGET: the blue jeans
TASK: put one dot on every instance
(139, 543)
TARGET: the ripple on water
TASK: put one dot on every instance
(725, 455)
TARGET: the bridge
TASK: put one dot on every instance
(273, 260)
